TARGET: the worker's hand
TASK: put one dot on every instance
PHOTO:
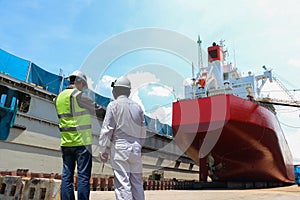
(103, 157)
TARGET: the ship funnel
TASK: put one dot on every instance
(215, 68)
(215, 52)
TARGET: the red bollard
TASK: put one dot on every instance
(110, 184)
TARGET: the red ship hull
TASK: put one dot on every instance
(232, 139)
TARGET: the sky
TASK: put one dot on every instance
(64, 34)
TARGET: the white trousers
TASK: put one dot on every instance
(127, 166)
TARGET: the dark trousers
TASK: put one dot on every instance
(81, 156)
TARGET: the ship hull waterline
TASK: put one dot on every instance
(232, 139)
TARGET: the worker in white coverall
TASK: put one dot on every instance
(123, 132)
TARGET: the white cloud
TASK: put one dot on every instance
(187, 82)
(163, 114)
(106, 81)
(135, 97)
(103, 87)
(140, 79)
(163, 91)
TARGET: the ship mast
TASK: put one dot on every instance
(194, 81)
(200, 61)
(224, 51)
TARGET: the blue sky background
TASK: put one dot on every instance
(61, 34)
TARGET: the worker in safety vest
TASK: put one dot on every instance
(123, 132)
(74, 109)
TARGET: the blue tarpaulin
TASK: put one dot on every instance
(13, 66)
(47, 80)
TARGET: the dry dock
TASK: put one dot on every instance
(280, 193)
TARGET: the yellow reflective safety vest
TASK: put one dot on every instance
(74, 122)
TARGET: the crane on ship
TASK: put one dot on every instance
(292, 101)
(280, 102)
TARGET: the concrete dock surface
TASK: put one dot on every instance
(279, 193)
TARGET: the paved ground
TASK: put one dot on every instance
(281, 193)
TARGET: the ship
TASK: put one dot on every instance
(225, 127)
(29, 132)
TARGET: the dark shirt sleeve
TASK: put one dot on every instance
(85, 102)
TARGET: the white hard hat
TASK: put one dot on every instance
(78, 74)
(121, 82)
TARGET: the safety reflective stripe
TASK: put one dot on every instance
(72, 107)
(77, 128)
(75, 114)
